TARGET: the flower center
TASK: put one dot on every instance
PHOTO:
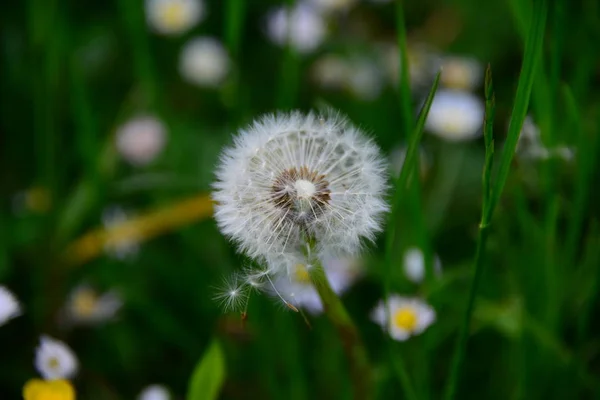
(53, 363)
(302, 194)
(173, 15)
(301, 274)
(405, 318)
(304, 188)
(84, 303)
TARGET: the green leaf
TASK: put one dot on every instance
(209, 374)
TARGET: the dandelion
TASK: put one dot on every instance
(408, 316)
(290, 178)
(204, 62)
(297, 288)
(462, 73)
(414, 265)
(86, 306)
(121, 248)
(173, 17)
(54, 359)
(59, 389)
(140, 140)
(154, 392)
(302, 26)
(9, 306)
(455, 115)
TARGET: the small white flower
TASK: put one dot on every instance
(140, 140)
(173, 17)
(54, 359)
(204, 62)
(86, 306)
(297, 288)
(121, 248)
(455, 115)
(302, 26)
(9, 306)
(364, 78)
(330, 6)
(408, 316)
(414, 265)
(461, 73)
(290, 176)
(154, 392)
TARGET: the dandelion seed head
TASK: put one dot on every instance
(289, 176)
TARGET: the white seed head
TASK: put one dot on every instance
(408, 316)
(455, 115)
(9, 306)
(173, 17)
(204, 62)
(55, 360)
(292, 176)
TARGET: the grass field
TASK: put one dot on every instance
(114, 115)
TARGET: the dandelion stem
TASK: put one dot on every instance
(353, 346)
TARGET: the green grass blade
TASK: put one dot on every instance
(463, 334)
(533, 48)
(403, 71)
(209, 375)
(401, 185)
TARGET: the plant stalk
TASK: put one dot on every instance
(354, 348)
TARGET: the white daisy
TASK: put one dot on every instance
(173, 17)
(121, 248)
(154, 392)
(302, 26)
(297, 288)
(461, 73)
(140, 140)
(9, 306)
(55, 360)
(290, 176)
(414, 265)
(455, 115)
(86, 306)
(409, 316)
(204, 62)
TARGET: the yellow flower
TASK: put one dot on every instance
(37, 389)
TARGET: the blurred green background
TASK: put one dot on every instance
(73, 73)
